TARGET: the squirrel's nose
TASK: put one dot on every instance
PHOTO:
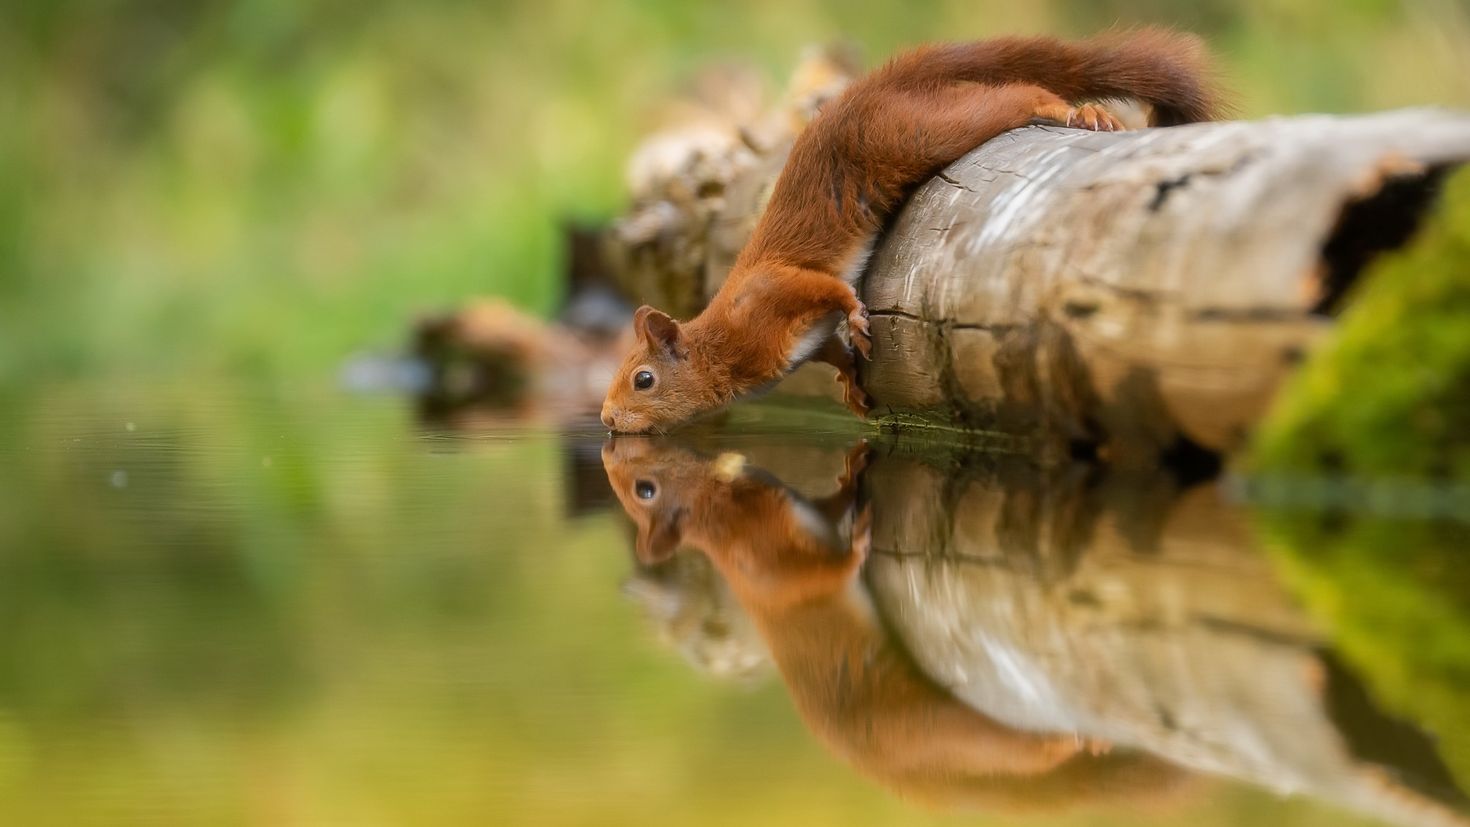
(607, 418)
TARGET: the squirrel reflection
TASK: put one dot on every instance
(793, 565)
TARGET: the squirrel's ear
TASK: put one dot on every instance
(659, 540)
(658, 330)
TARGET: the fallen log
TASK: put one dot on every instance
(1133, 293)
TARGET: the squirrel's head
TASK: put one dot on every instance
(659, 486)
(663, 487)
(658, 385)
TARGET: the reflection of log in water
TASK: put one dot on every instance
(1021, 623)
(1137, 616)
(794, 576)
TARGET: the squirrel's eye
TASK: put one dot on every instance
(643, 380)
(645, 489)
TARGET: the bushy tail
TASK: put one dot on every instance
(1168, 70)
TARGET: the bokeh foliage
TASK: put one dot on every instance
(1384, 407)
(285, 607)
(267, 609)
(1396, 595)
(259, 187)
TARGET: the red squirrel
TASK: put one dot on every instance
(798, 578)
(848, 172)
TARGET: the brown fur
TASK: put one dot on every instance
(855, 689)
(849, 171)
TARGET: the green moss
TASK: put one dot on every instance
(1396, 596)
(1387, 398)
(1390, 394)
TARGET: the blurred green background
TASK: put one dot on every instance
(220, 609)
(231, 595)
(262, 187)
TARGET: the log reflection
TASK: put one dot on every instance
(793, 566)
(985, 636)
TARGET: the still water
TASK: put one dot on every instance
(286, 608)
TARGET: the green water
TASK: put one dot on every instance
(282, 606)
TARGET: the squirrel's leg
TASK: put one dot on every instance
(845, 297)
(1042, 106)
(964, 116)
(839, 355)
(857, 317)
(818, 294)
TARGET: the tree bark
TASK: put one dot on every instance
(1136, 293)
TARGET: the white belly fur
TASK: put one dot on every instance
(811, 341)
(859, 261)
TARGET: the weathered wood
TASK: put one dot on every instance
(1133, 614)
(1118, 290)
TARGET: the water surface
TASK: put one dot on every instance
(281, 607)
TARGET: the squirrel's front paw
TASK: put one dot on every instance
(858, 331)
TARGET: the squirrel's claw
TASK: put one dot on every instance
(1090, 116)
(839, 354)
(854, 397)
(859, 332)
(1094, 117)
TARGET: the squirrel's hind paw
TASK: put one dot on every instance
(1094, 117)
(1091, 116)
(853, 396)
